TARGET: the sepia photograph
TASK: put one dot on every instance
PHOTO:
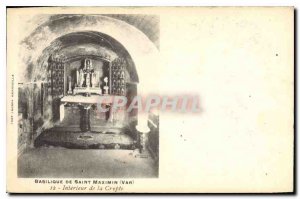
(75, 68)
(150, 99)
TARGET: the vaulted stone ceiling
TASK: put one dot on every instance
(148, 24)
(89, 43)
(135, 36)
(110, 45)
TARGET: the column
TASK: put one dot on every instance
(142, 126)
(62, 111)
(85, 124)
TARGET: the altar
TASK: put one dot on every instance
(81, 91)
(88, 84)
(85, 104)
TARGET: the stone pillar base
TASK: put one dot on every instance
(142, 130)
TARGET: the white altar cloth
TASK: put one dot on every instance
(93, 99)
(79, 99)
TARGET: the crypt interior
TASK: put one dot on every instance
(71, 63)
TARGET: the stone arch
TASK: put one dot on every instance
(86, 43)
(142, 51)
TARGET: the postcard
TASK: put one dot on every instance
(150, 100)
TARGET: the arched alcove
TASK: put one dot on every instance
(73, 37)
(142, 51)
(76, 45)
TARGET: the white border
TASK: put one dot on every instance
(3, 5)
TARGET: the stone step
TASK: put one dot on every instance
(85, 140)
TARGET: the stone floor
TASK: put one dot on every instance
(85, 140)
(84, 163)
(74, 138)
